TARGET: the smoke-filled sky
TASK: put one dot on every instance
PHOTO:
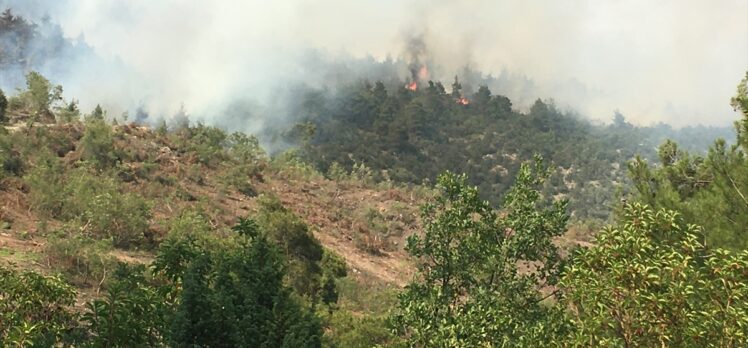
(673, 61)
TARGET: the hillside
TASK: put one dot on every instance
(344, 175)
(411, 133)
(364, 222)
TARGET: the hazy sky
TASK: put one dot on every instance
(676, 61)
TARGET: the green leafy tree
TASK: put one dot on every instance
(469, 291)
(649, 281)
(333, 267)
(41, 93)
(97, 113)
(302, 250)
(694, 184)
(11, 160)
(3, 106)
(98, 144)
(133, 313)
(35, 311)
(235, 295)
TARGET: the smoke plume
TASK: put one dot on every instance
(234, 62)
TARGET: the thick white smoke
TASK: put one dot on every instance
(673, 61)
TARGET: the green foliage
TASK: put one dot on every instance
(247, 159)
(103, 211)
(97, 114)
(291, 163)
(46, 180)
(40, 93)
(695, 184)
(333, 267)
(237, 297)
(649, 281)
(82, 259)
(94, 202)
(3, 106)
(351, 331)
(246, 149)
(97, 144)
(303, 251)
(11, 162)
(469, 291)
(35, 310)
(208, 143)
(69, 112)
(133, 313)
(412, 136)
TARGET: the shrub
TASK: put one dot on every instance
(133, 312)
(468, 291)
(35, 309)
(69, 112)
(237, 176)
(290, 163)
(234, 295)
(41, 93)
(298, 244)
(206, 142)
(93, 201)
(246, 149)
(347, 330)
(97, 144)
(649, 281)
(10, 159)
(3, 106)
(84, 260)
(46, 181)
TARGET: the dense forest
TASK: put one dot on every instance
(402, 216)
(412, 135)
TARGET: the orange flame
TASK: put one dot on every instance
(423, 73)
(463, 101)
(418, 76)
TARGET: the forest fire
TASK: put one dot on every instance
(463, 101)
(417, 75)
(423, 73)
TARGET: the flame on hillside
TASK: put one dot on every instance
(463, 101)
(418, 75)
(423, 73)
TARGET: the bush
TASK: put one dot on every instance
(94, 202)
(3, 106)
(35, 310)
(41, 92)
(206, 142)
(298, 244)
(47, 184)
(237, 176)
(97, 144)
(85, 260)
(234, 295)
(246, 149)
(133, 313)
(347, 330)
(10, 159)
(290, 163)
(37, 99)
(649, 281)
(469, 291)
